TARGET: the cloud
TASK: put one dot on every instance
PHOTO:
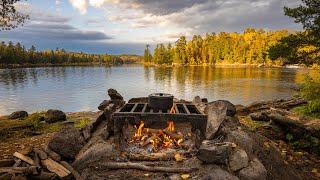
(80, 5)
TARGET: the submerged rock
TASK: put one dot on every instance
(67, 143)
(53, 115)
(18, 115)
(255, 171)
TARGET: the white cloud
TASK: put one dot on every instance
(80, 5)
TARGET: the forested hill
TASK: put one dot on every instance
(250, 47)
(16, 54)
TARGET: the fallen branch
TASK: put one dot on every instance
(138, 166)
(42, 155)
(151, 157)
(52, 154)
(6, 162)
(24, 158)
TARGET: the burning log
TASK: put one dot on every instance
(142, 167)
(24, 158)
(56, 168)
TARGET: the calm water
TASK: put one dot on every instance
(83, 88)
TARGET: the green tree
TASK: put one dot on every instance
(147, 55)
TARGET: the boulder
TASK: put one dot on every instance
(259, 116)
(242, 139)
(219, 174)
(215, 117)
(255, 171)
(103, 104)
(238, 159)
(114, 95)
(67, 143)
(197, 100)
(18, 115)
(221, 104)
(53, 115)
(212, 152)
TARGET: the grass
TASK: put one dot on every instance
(250, 124)
(82, 123)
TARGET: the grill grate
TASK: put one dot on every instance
(180, 108)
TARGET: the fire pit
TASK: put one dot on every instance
(157, 124)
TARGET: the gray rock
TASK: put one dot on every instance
(238, 159)
(242, 139)
(103, 104)
(259, 116)
(255, 171)
(221, 104)
(219, 174)
(175, 177)
(216, 116)
(114, 95)
(18, 115)
(99, 152)
(53, 115)
(197, 100)
(67, 143)
(212, 152)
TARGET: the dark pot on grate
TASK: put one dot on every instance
(160, 101)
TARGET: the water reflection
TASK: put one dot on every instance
(82, 88)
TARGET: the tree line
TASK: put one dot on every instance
(249, 47)
(11, 53)
(253, 46)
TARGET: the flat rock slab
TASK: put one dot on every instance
(211, 152)
(255, 171)
(238, 159)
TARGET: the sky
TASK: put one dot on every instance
(126, 26)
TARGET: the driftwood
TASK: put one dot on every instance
(151, 157)
(75, 173)
(55, 167)
(6, 162)
(52, 154)
(20, 170)
(42, 155)
(142, 167)
(24, 158)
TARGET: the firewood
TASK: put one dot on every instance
(6, 162)
(75, 173)
(52, 154)
(151, 157)
(20, 170)
(17, 163)
(42, 155)
(6, 176)
(36, 160)
(44, 176)
(55, 167)
(175, 136)
(24, 158)
(142, 167)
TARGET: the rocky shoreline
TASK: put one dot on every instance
(231, 150)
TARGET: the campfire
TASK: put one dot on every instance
(158, 138)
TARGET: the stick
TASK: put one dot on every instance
(55, 167)
(21, 170)
(42, 155)
(24, 158)
(138, 166)
(75, 173)
(6, 162)
(52, 154)
(151, 157)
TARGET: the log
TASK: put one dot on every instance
(56, 168)
(44, 176)
(151, 157)
(55, 156)
(42, 155)
(36, 160)
(6, 162)
(24, 158)
(6, 176)
(75, 173)
(19, 170)
(142, 167)
(175, 136)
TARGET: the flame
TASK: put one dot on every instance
(158, 138)
(173, 110)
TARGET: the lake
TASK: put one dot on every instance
(83, 88)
